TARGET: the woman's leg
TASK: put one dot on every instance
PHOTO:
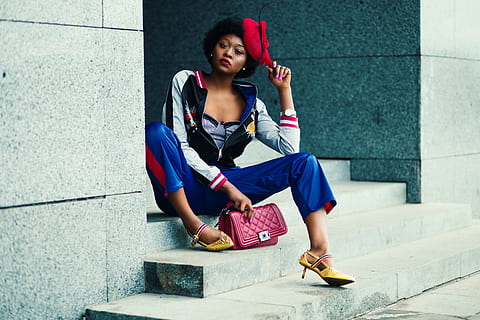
(169, 172)
(316, 223)
(190, 220)
(309, 186)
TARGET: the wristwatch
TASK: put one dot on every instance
(289, 113)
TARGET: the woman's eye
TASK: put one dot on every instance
(238, 51)
(222, 45)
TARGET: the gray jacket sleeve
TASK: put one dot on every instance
(283, 138)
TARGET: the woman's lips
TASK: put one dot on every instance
(225, 62)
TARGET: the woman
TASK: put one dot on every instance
(208, 119)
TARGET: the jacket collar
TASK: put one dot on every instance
(248, 90)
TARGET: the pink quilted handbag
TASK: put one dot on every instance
(265, 227)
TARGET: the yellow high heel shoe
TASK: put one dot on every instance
(225, 242)
(327, 273)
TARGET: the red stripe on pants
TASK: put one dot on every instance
(155, 167)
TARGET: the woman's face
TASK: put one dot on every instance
(229, 54)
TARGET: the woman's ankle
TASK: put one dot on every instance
(208, 235)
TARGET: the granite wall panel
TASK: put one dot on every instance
(126, 224)
(52, 260)
(450, 28)
(72, 155)
(452, 179)
(123, 14)
(450, 108)
(82, 13)
(72, 113)
(450, 100)
(124, 106)
(52, 113)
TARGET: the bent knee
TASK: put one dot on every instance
(156, 128)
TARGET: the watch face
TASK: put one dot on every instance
(290, 113)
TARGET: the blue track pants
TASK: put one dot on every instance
(168, 170)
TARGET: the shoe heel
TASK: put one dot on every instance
(303, 273)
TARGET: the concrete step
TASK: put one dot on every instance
(383, 277)
(199, 273)
(165, 232)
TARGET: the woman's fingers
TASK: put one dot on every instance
(245, 205)
(250, 212)
(278, 72)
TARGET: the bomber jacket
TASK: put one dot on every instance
(183, 111)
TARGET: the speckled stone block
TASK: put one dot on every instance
(123, 14)
(452, 179)
(450, 28)
(126, 229)
(321, 28)
(85, 13)
(52, 260)
(199, 273)
(124, 111)
(450, 115)
(358, 107)
(51, 113)
(390, 170)
(72, 113)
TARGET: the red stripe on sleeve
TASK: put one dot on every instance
(288, 125)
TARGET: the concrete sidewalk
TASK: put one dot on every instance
(459, 299)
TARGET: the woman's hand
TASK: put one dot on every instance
(240, 201)
(279, 76)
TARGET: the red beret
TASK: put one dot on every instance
(255, 39)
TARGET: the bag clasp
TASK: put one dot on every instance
(264, 236)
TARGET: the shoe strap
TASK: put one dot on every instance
(320, 259)
(196, 235)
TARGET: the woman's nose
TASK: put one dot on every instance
(228, 52)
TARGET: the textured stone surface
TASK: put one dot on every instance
(358, 107)
(450, 28)
(124, 105)
(207, 273)
(199, 273)
(450, 131)
(146, 307)
(71, 113)
(449, 102)
(405, 315)
(125, 233)
(52, 260)
(453, 179)
(52, 117)
(165, 232)
(55, 259)
(450, 113)
(123, 14)
(390, 170)
(382, 277)
(358, 196)
(85, 13)
(377, 229)
(321, 29)
(456, 299)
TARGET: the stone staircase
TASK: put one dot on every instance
(394, 249)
